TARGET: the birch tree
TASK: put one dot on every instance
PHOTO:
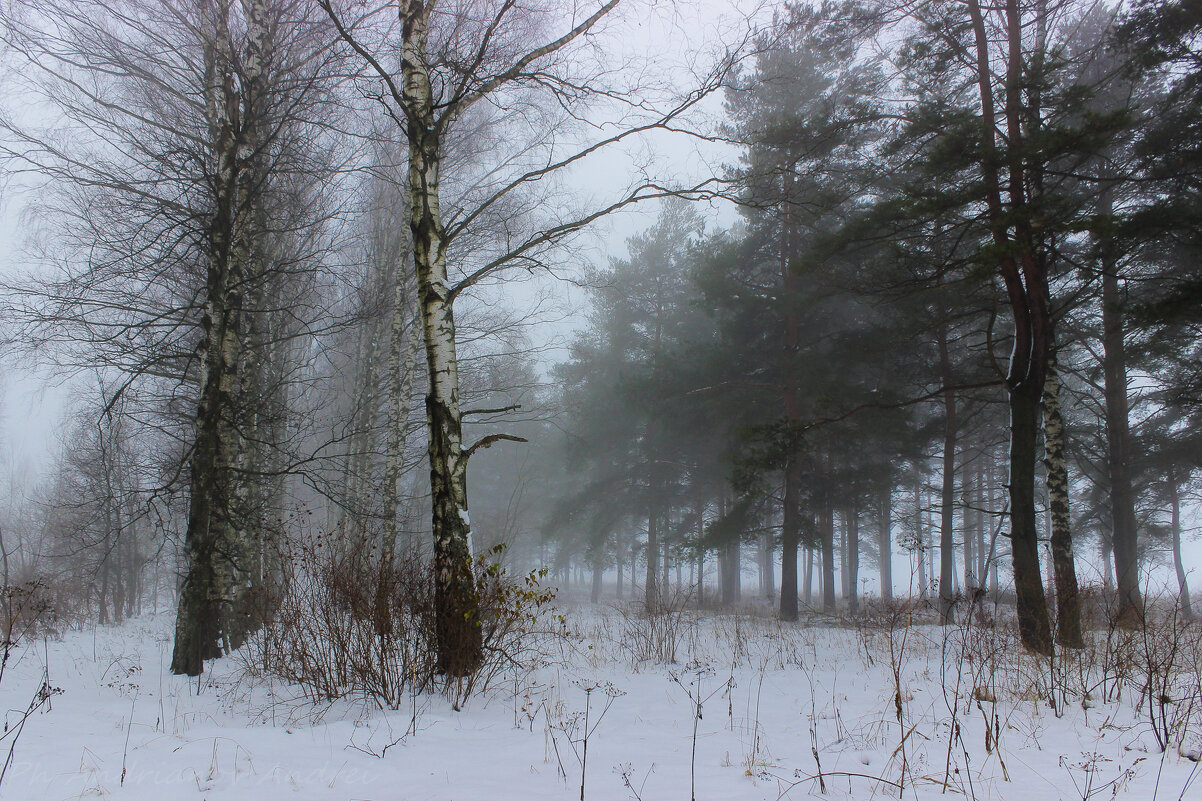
(183, 154)
(458, 59)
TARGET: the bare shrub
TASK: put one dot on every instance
(1165, 675)
(338, 627)
(28, 609)
(652, 632)
(521, 628)
(37, 607)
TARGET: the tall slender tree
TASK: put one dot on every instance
(456, 59)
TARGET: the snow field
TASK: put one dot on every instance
(786, 711)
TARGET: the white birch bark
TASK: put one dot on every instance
(404, 347)
(219, 554)
(457, 606)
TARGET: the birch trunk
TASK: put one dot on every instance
(252, 403)
(357, 497)
(402, 363)
(262, 408)
(402, 360)
(250, 258)
(283, 355)
(1068, 600)
(214, 548)
(457, 605)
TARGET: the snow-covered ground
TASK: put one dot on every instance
(777, 700)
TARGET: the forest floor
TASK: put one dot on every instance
(787, 712)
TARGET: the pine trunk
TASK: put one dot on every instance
(972, 517)
(884, 542)
(844, 567)
(1025, 279)
(1183, 599)
(808, 579)
(947, 508)
(1118, 437)
(598, 575)
(650, 590)
(852, 527)
(731, 573)
(790, 538)
(666, 554)
(700, 581)
(767, 562)
(620, 562)
(826, 525)
(920, 537)
(1033, 623)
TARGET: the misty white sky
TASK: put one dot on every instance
(678, 33)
